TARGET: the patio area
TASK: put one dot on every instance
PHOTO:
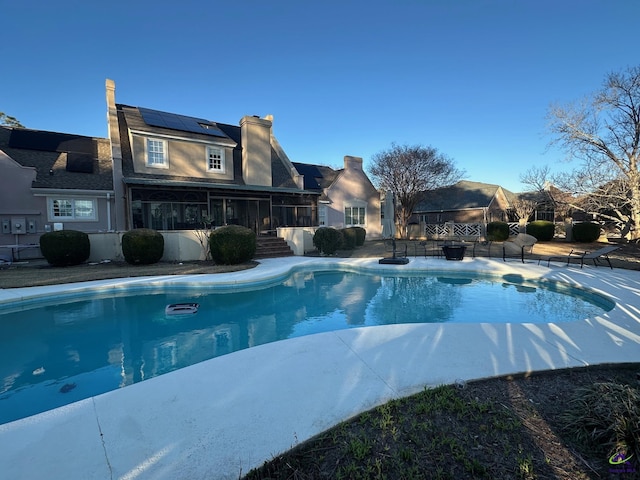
(220, 418)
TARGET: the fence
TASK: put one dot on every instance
(463, 230)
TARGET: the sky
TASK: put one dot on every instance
(473, 78)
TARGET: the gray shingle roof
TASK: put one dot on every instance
(76, 162)
(460, 196)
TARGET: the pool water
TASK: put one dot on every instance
(53, 354)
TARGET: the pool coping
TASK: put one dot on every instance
(222, 417)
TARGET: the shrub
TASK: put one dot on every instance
(348, 238)
(605, 416)
(361, 234)
(65, 247)
(497, 231)
(586, 232)
(142, 246)
(541, 229)
(232, 245)
(327, 240)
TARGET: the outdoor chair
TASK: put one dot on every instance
(595, 256)
(520, 245)
(5, 262)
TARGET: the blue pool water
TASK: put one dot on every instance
(55, 353)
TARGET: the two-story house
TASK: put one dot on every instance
(172, 170)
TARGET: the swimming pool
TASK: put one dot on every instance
(52, 354)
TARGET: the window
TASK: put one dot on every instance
(322, 215)
(156, 153)
(215, 159)
(355, 215)
(72, 209)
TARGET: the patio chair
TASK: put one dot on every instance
(595, 256)
(5, 262)
(520, 245)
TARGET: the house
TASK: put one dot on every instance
(172, 170)
(465, 202)
(52, 180)
(347, 196)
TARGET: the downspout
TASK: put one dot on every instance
(108, 212)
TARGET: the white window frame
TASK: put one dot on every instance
(351, 207)
(322, 215)
(152, 161)
(74, 209)
(212, 150)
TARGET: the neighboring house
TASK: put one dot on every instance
(465, 202)
(52, 180)
(348, 198)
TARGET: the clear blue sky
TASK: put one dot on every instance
(472, 78)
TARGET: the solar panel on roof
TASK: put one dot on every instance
(155, 118)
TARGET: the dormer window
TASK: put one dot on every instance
(215, 160)
(157, 153)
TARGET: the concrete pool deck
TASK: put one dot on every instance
(222, 417)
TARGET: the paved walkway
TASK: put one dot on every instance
(222, 417)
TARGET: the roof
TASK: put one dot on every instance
(154, 121)
(316, 177)
(463, 195)
(62, 160)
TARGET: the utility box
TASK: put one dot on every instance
(6, 226)
(31, 226)
(18, 226)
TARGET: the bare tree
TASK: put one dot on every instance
(9, 121)
(522, 208)
(603, 133)
(407, 171)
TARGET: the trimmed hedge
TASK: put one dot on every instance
(361, 234)
(142, 246)
(586, 232)
(327, 240)
(497, 231)
(65, 247)
(348, 238)
(541, 229)
(232, 244)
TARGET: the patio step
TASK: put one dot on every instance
(269, 247)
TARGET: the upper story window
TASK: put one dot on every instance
(72, 209)
(355, 215)
(215, 160)
(157, 153)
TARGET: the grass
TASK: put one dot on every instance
(508, 428)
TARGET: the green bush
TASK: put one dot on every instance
(327, 240)
(65, 247)
(348, 238)
(542, 230)
(361, 234)
(142, 246)
(497, 231)
(232, 245)
(586, 232)
(605, 417)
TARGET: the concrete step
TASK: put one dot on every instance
(269, 247)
